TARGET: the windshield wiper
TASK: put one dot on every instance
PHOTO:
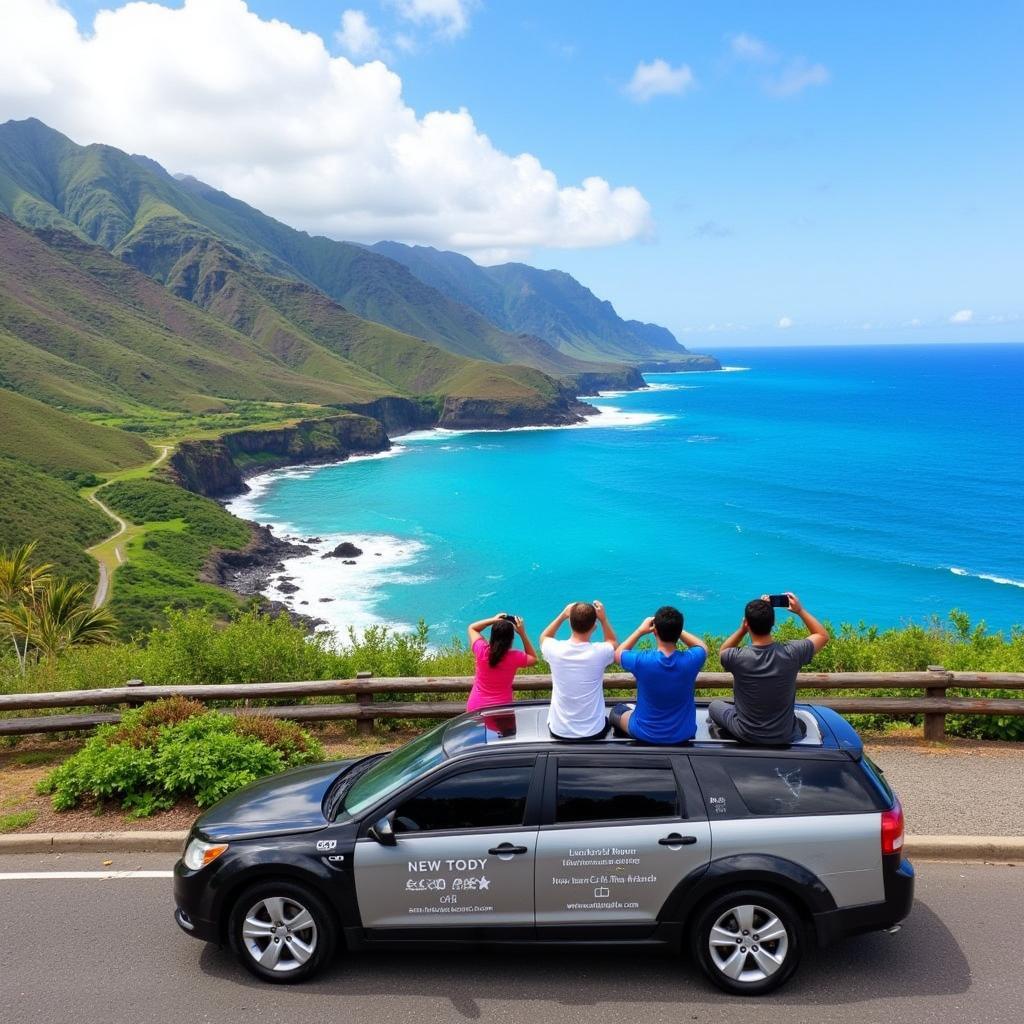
(340, 787)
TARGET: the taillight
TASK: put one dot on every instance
(892, 829)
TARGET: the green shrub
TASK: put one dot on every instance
(171, 749)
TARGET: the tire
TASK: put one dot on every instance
(730, 949)
(282, 932)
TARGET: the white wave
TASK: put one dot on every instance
(354, 591)
(702, 438)
(732, 369)
(1002, 580)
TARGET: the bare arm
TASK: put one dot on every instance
(734, 639)
(606, 626)
(645, 627)
(819, 634)
(531, 654)
(475, 629)
(692, 640)
(556, 623)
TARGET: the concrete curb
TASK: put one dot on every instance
(95, 842)
(1000, 849)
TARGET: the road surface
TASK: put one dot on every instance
(90, 949)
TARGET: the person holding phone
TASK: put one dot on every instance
(764, 673)
(496, 660)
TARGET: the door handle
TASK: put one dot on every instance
(505, 849)
(675, 839)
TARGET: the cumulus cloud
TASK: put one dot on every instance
(659, 78)
(449, 18)
(785, 322)
(264, 111)
(357, 37)
(962, 316)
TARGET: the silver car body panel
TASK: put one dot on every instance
(446, 880)
(614, 873)
(843, 850)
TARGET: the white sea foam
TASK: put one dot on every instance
(702, 438)
(732, 369)
(355, 591)
(1002, 580)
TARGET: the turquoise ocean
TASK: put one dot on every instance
(881, 484)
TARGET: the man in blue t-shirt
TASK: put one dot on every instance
(664, 711)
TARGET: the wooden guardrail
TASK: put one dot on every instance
(356, 697)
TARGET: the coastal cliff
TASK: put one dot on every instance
(217, 468)
(688, 363)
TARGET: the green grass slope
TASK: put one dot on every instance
(52, 440)
(81, 329)
(148, 218)
(37, 507)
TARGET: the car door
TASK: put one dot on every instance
(463, 854)
(618, 834)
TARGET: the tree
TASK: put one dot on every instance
(44, 614)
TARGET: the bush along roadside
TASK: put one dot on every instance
(175, 748)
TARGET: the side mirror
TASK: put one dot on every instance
(384, 830)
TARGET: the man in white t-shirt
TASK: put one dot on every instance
(577, 672)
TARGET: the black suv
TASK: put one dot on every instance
(485, 829)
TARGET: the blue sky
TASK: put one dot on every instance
(821, 173)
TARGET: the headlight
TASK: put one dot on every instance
(199, 853)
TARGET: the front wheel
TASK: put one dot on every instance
(282, 932)
(748, 942)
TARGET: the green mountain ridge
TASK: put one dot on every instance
(550, 304)
(149, 218)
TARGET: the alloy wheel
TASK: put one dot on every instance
(279, 934)
(748, 943)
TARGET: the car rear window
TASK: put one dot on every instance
(610, 793)
(775, 786)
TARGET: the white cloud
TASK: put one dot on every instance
(785, 322)
(263, 111)
(962, 316)
(748, 47)
(449, 18)
(659, 78)
(357, 37)
(797, 75)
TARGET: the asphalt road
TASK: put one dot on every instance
(107, 950)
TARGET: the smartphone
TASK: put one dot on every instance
(779, 600)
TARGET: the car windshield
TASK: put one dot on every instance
(394, 771)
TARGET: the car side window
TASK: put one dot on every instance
(615, 793)
(771, 786)
(486, 798)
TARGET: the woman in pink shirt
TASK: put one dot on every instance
(497, 662)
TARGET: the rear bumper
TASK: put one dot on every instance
(831, 925)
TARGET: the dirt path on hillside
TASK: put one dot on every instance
(106, 572)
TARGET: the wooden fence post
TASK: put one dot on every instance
(935, 721)
(364, 726)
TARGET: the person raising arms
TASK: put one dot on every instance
(577, 671)
(664, 711)
(497, 661)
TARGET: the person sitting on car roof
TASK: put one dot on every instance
(664, 711)
(764, 675)
(577, 671)
(497, 661)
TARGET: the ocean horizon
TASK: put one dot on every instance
(880, 483)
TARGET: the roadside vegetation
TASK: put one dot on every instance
(172, 749)
(196, 646)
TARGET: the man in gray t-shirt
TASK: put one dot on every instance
(764, 675)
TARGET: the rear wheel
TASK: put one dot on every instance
(282, 932)
(748, 942)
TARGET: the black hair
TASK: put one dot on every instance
(760, 616)
(502, 635)
(668, 624)
(582, 617)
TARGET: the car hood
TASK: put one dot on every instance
(291, 801)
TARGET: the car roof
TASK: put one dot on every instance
(516, 726)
